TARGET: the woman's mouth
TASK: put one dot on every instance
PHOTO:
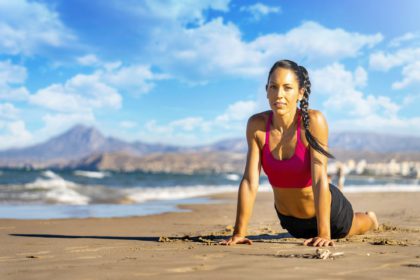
(279, 104)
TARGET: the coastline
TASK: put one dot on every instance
(129, 247)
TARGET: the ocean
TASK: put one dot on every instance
(48, 194)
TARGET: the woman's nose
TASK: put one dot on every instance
(279, 92)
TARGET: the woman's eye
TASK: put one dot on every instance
(273, 86)
(288, 88)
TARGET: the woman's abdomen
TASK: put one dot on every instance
(296, 202)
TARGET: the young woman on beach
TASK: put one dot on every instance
(290, 144)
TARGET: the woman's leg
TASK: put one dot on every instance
(363, 222)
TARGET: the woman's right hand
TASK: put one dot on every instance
(236, 239)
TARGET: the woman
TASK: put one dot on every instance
(291, 146)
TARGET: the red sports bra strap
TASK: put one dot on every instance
(267, 129)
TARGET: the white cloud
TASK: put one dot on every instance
(356, 110)
(56, 123)
(216, 48)
(188, 124)
(11, 77)
(27, 26)
(314, 42)
(137, 79)
(81, 93)
(410, 99)
(343, 93)
(233, 119)
(128, 124)
(238, 111)
(384, 124)
(407, 58)
(14, 134)
(11, 73)
(258, 10)
(187, 11)
(385, 61)
(101, 89)
(360, 77)
(88, 60)
(409, 36)
(8, 111)
(411, 75)
(178, 126)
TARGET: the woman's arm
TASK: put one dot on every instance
(249, 184)
(320, 185)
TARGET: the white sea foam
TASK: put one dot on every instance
(56, 190)
(50, 174)
(66, 196)
(232, 177)
(92, 174)
(180, 192)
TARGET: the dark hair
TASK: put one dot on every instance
(304, 82)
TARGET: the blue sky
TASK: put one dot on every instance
(192, 72)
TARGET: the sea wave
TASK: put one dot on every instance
(52, 188)
(232, 177)
(180, 192)
(92, 174)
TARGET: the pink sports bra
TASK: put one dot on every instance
(294, 172)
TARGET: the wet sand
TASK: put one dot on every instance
(185, 245)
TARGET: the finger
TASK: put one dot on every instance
(244, 241)
(307, 241)
(247, 241)
(317, 241)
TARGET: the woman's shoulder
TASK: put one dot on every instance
(258, 120)
(317, 118)
(318, 124)
(256, 127)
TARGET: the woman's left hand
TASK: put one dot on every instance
(318, 242)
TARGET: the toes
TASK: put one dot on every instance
(374, 219)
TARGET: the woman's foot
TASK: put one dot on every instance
(372, 216)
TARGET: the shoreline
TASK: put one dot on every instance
(184, 244)
(39, 211)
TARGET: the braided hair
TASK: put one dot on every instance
(304, 82)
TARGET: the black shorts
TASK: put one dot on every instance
(340, 221)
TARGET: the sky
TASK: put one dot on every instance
(192, 72)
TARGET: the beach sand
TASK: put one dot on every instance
(184, 245)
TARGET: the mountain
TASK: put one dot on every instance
(78, 142)
(374, 142)
(86, 147)
(186, 162)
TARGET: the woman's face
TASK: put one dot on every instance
(283, 91)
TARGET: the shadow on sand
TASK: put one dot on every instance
(277, 238)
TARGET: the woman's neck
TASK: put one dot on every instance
(284, 122)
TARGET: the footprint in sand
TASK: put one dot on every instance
(6, 258)
(200, 267)
(7, 228)
(211, 256)
(88, 257)
(86, 249)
